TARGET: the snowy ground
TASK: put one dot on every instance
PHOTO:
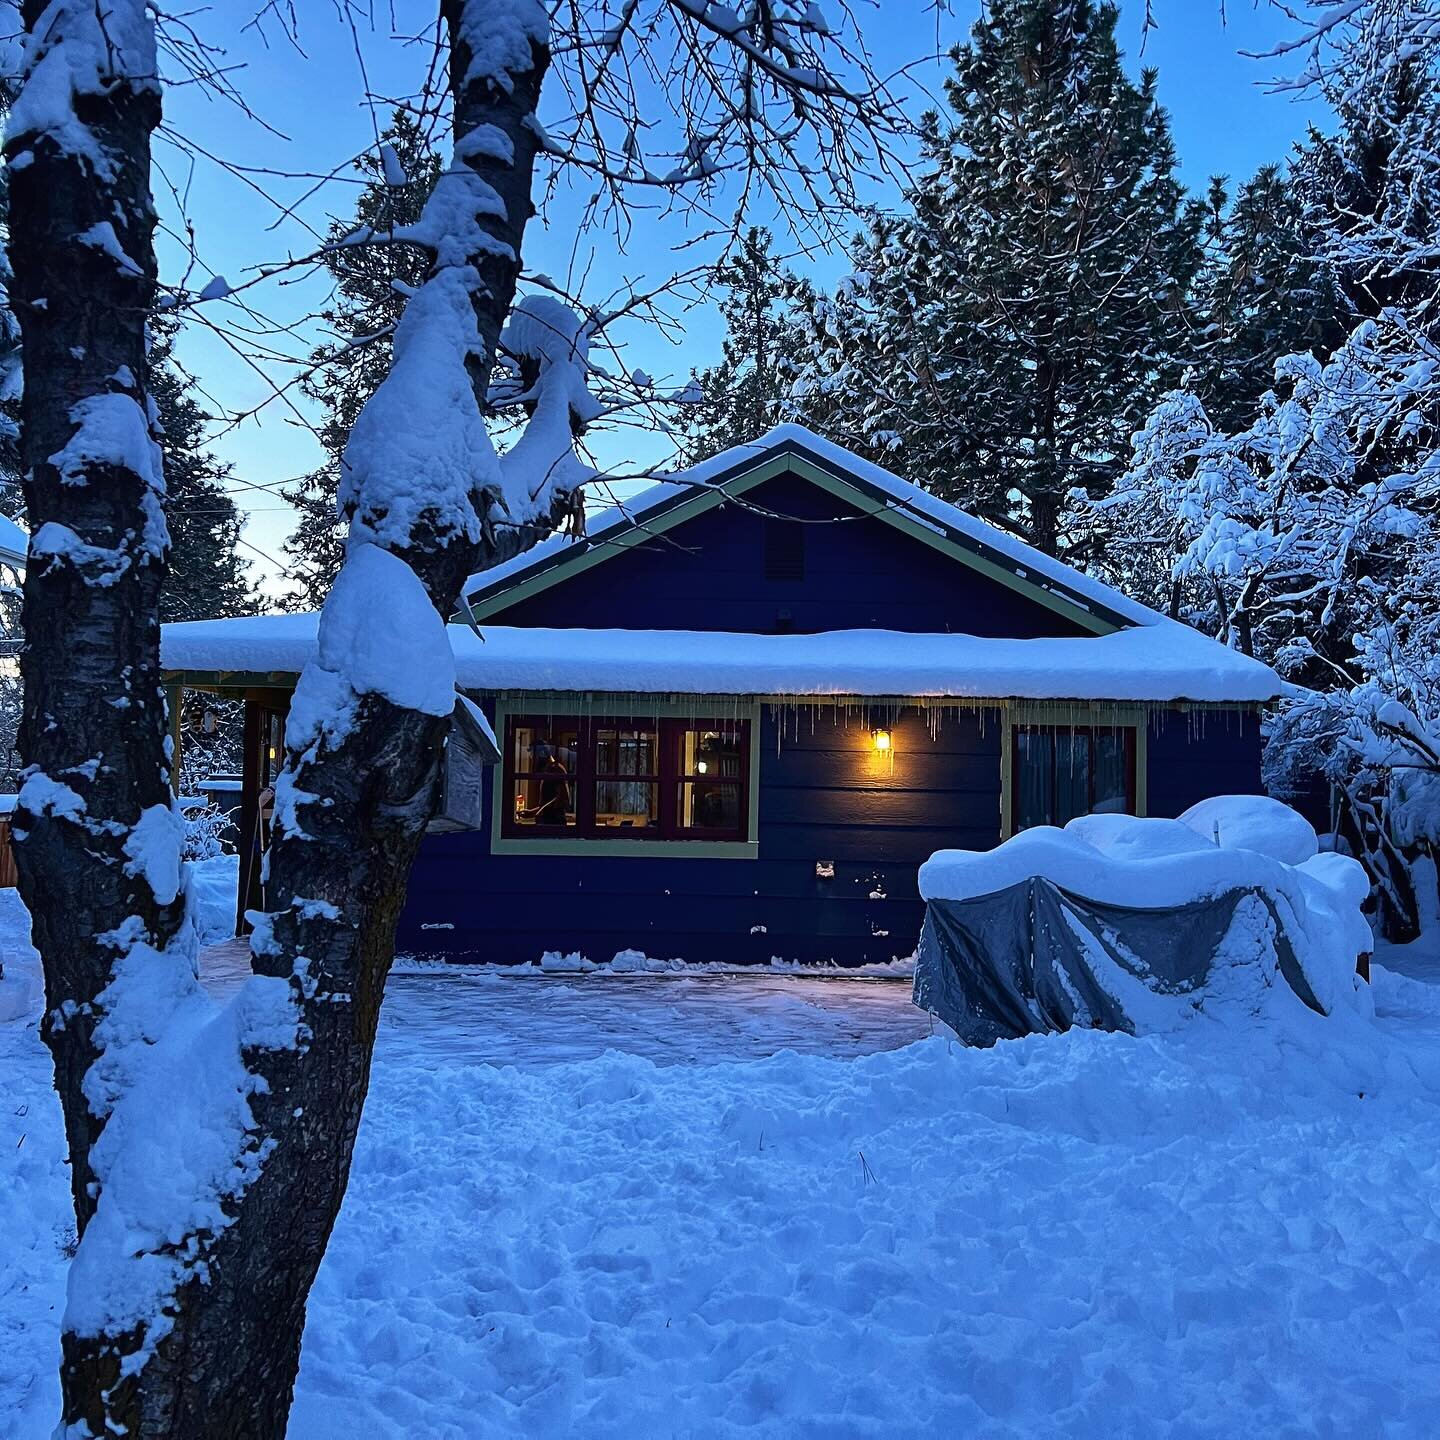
(1212, 1234)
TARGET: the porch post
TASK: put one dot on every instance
(174, 696)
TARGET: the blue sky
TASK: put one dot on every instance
(1224, 120)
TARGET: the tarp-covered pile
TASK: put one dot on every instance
(1116, 923)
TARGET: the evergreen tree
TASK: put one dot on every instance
(1021, 321)
(744, 395)
(1262, 294)
(1369, 190)
(365, 308)
(208, 578)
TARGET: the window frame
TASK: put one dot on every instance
(1126, 721)
(667, 835)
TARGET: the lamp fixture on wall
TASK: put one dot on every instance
(882, 739)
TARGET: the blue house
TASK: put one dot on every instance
(733, 718)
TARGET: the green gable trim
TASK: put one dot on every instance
(485, 602)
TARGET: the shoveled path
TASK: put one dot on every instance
(535, 1020)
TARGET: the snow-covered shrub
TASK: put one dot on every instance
(204, 827)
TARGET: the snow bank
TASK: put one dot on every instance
(636, 962)
(1199, 1234)
(213, 887)
(1254, 822)
(1166, 662)
(1218, 848)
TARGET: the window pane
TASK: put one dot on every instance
(626, 804)
(625, 751)
(541, 746)
(1034, 750)
(713, 753)
(543, 758)
(706, 805)
(546, 800)
(1112, 773)
(1072, 775)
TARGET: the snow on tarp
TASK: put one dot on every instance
(1165, 661)
(1119, 923)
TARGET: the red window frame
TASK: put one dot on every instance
(1127, 732)
(670, 777)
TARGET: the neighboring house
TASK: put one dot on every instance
(738, 714)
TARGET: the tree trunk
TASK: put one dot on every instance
(91, 658)
(228, 1367)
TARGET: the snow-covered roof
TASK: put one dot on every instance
(895, 495)
(14, 544)
(1159, 661)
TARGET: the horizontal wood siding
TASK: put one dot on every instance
(826, 795)
(1194, 756)
(709, 574)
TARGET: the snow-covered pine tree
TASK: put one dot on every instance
(208, 578)
(745, 393)
(1026, 314)
(12, 499)
(1262, 293)
(97, 836)
(362, 315)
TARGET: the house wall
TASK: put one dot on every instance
(709, 574)
(1205, 752)
(825, 795)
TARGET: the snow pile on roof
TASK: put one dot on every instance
(904, 496)
(1229, 844)
(1160, 662)
(14, 543)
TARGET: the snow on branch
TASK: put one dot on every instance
(1346, 47)
(79, 50)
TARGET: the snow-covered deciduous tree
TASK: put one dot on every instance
(745, 393)
(210, 1145)
(1311, 536)
(1006, 336)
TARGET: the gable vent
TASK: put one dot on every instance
(784, 549)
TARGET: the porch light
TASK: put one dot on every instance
(882, 739)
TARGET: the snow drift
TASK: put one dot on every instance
(1118, 923)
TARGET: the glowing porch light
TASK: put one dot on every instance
(882, 739)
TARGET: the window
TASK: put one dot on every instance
(619, 778)
(1064, 771)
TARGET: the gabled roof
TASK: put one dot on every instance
(793, 449)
